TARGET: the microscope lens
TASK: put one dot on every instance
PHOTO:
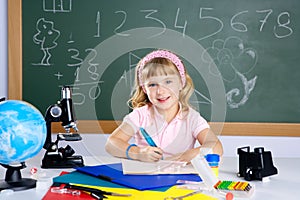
(55, 111)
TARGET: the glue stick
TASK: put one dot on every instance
(213, 162)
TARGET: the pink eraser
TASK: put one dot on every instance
(229, 196)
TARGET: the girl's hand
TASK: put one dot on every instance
(185, 156)
(150, 154)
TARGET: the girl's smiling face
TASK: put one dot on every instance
(163, 92)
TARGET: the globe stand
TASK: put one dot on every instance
(14, 180)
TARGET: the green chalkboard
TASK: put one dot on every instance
(242, 55)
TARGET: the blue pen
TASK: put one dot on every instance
(147, 137)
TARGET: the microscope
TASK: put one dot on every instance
(61, 112)
(255, 165)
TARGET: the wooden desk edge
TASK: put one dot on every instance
(227, 128)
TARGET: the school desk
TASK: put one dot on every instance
(284, 185)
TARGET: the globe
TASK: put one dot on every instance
(22, 131)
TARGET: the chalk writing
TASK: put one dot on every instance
(236, 25)
(203, 99)
(78, 97)
(149, 16)
(93, 67)
(76, 74)
(178, 26)
(93, 87)
(58, 75)
(66, 37)
(282, 28)
(128, 77)
(224, 60)
(94, 91)
(133, 60)
(283, 25)
(98, 25)
(57, 5)
(122, 23)
(46, 37)
(263, 21)
(203, 16)
(70, 39)
(75, 56)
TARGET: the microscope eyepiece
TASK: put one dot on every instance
(66, 92)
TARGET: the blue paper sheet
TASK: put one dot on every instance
(82, 178)
(114, 173)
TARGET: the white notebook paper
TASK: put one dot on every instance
(160, 167)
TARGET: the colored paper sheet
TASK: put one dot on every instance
(150, 194)
(51, 195)
(82, 178)
(114, 173)
(64, 196)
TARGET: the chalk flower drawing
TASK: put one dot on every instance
(234, 61)
(46, 37)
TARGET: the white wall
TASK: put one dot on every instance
(3, 48)
(279, 146)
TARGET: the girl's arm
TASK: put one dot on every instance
(207, 139)
(117, 142)
(117, 145)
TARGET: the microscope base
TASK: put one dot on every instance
(56, 161)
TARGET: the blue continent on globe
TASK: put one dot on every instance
(23, 131)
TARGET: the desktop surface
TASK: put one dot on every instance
(283, 185)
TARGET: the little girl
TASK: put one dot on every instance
(161, 109)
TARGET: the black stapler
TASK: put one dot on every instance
(61, 112)
(255, 165)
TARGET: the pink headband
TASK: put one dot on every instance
(162, 54)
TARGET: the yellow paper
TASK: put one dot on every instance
(150, 194)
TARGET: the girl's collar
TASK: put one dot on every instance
(179, 115)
